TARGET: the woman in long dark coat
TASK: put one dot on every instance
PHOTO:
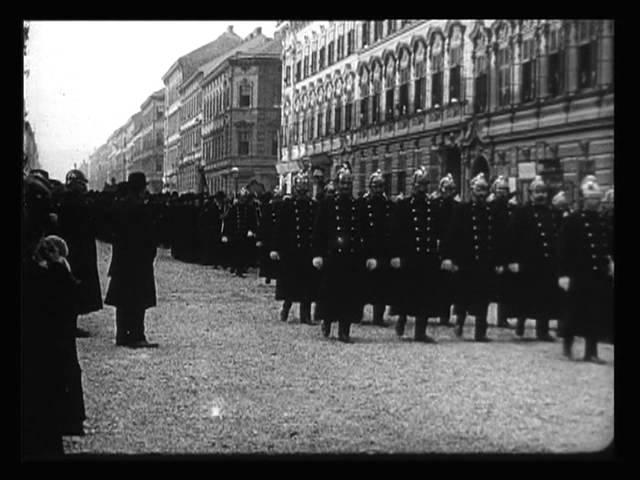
(586, 273)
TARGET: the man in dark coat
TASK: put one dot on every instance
(210, 225)
(505, 284)
(78, 226)
(268, 219)
(416, 232)
(376, 213)
(531, 259)
(445, 203)
(585, 257)
(291, 248)
(239, 232)
(337, 252)
(469, 249)
(132, 286)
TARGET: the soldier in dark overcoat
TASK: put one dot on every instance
(505, 284)
(328, 191)
(239, 232)
(416, 232)
(585, 257)
(376, 214)
(78, 226)
(469, 249)
(337, 252)
(291, 248)
(132, 287)
(268, 218)
(445, 202)
(531, 259)
(209, 225)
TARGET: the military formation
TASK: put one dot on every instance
(424, 255)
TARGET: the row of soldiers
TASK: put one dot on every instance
(423, 254)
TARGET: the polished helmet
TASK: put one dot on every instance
(590, 187)
(76, 176)
(376, 177)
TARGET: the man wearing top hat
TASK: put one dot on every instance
(132, 286)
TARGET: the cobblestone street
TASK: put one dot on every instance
(230, 378)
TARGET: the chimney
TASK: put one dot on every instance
(257, 31)
(230, 29)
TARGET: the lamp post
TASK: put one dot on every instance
(234, 173)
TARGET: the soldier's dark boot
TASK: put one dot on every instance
(481, 329)
(420, 331)
(501, 314)
(542, 330)
(344, 329)
(326, 328)
(305, 313)
(591, 351)
(284, 313)
(400, 324)
(520, 326)
(444, 317)
(567, 344)
(378, 315)
(461, 315)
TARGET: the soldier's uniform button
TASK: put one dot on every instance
(339, 250)
(371, 224)
(473, 218)
(477, 257)
(546, 255)
(417, 249)
(539, 224)
(417, 229)
(595, 268)
(545, 244)
(590, 234)
(586, 224)
(415, 219)
(593, 246)
(593, 256)
(475, 237)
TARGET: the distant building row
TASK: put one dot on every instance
(215, 124)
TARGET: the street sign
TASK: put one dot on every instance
(526, 170)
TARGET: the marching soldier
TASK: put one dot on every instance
(337, 253)
(586, 272)
(291, 247)
(531, 259)
(505, 283)
(445, 202)
(375, 218)
(269, 208)
(469, 249)
(417, 230)
(239, 231)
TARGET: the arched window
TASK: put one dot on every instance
(437, 67)
(420, 77)
(455, 64)
(364, 96)
(555, 60)
(503, 66)
(391, 27)
(404, 76)
(319, 122)
(377, 90)
(328, 122)
(390, 84)
(377, 30)
(348, 108)
(480, 75)
(365, 33)
(587, 53)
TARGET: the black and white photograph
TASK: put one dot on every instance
(325, 239)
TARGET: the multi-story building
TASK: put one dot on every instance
(181, 70)
(132, 142)
(149, 156)
(98, 174)
(241, 115)
(510, 97)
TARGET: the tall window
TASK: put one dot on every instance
(504, 76)
(364, 97)
(437, 67)
(298, 71)
(351, 42)
(340, 47)
(402, 181)
(305, 71)
(391, 26)
(529, 67)
(319, 123)
(245, 95)
(375, 103)
(377, 30)
(390, 78)
(480, 81)
(327, 129)
(338, 120)
(420, 73)
(365, 33)
(587, 54)
(555, 79)
(455, 66)
(348, 112)
(331, 52)
(404, 73)
(314, 62)
(321, 59)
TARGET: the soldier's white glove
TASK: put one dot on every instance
(317, 262)
(250, 234)
(514, 267)
(224, 239)
(395, 262)
(447, 265)
(258, 244)
(274, 255)
(499, 269)
(372, 264)
(563, 283)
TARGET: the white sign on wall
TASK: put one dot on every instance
(527, 170)
(512, 184)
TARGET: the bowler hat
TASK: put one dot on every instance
(137, 181)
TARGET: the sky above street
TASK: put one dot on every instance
(86, 78)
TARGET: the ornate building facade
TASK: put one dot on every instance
(149, 155)
(507, 97)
